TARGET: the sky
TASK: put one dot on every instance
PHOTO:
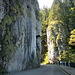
(46, 3)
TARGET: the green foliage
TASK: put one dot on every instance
(56, 31)
(16, 10)
(7, 20)
(44, 25)
(56, 12)
(28, 13)
(8, 46)
(46, 60)
(55, 62)
(64, 56)
(22, 11)
(37, 14)
(60, 21)
(72, 38)
(73, 58)
(14, 17)
(67, 56)
(13, 10)
(7, 1)
(66, 14)
(2, 70)
(8, 49)
(22, 34)
(33, 2)
(25, 29)
(36, 28)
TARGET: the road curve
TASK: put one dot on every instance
(43, 70)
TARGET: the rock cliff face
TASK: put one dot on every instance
(57, 33)
(20, 31)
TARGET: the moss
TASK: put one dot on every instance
(33, 2)
(7, 1)
(37, 14)
(2, 69)
(13, 10)
(7, 20)
(19, 44)
(22, 34)
(21, 8)
(36, 28)
(28, 13)
(8, 46)
(56, 28)
(13, 0)
(25, 30)
(3, 24)
(22, 11)
(19, 3)
(14, 17)
(18, 11)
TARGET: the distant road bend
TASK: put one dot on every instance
(43, 70)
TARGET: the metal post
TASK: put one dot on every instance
(65, 63)
(69, 63)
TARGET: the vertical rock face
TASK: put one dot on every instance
(57, 33)
(20, 34)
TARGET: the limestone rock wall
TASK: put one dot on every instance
(57, 33)
(20, 36)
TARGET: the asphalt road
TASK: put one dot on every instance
(43, 70)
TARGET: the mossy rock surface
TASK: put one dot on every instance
(28, 12)
(37, 13)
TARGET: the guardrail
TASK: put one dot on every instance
(69, 64)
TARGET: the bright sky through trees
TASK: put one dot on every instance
(46, 3)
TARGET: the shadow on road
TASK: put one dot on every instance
(42, 70)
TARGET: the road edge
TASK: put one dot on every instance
(65, 70)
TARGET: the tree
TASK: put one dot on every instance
(72, 38)
(63, 12)
(56, 12)
(44, 24)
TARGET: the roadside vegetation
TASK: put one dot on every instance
(63, 12)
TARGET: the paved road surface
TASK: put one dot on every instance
(43, 70)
